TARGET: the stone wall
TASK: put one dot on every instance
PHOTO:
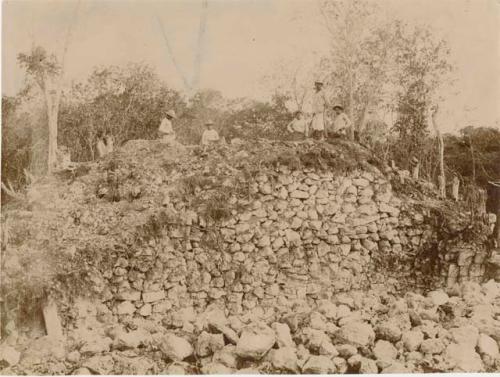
(306, 236)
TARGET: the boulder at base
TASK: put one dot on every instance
(175, 348)
(356, 333)
(255, 341)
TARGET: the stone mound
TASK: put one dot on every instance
(157, 235)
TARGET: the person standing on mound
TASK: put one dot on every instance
(319, 104)
(166, 131)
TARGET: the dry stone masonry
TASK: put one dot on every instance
(305, 236)
(269, 257)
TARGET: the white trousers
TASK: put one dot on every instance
(318, 122)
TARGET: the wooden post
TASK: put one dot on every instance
(51, 318)
(442, 186)
(455, 188)
(482, 201)
(1, 311)
(415, 168)
(496, 229)
(351, 103)
(441, 177)
(4, 244)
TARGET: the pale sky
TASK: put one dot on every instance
(244, 40)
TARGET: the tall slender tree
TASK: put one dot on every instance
(48, 72)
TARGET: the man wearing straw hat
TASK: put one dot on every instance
(209, 136)
(341, 122)
(166, 131)
(319, 104)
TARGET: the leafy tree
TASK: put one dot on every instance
(360, 52)
(291, 80)
(207, 104)
(16, 143)
(127, 103)
(422, 67)
(255, 119)
(474, 154)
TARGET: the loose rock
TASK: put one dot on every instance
(255, 341)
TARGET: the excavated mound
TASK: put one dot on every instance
(156, 246)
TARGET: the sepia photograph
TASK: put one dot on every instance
(216, 187)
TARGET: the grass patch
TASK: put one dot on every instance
(193, 184)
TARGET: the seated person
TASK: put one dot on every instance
(210, 136)
(298, 127)
(341, 122)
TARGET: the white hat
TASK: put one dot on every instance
(171, 113)
(209, 122)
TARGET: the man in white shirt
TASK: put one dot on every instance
(298, 127)
(166, 131)
(341, 122)
(319, 104)
(210, 136)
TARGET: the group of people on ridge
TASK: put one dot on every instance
(299, 127)
(316, 127)
(167, 134)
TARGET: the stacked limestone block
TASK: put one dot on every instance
(306, 236)
(299, 235)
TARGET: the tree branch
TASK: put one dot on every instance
(199, 55)
(64, 53)
(172, 56)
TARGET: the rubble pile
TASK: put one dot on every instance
(288, 241)
(355, 332)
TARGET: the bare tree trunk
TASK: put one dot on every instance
(199, 51)
(92, 152)
(481, 210)
(441, 178)
(351, 103)
(3, 251)
(496, 201)
(496, 230)
(416, 168)
(52, 110)
(52, 157)
(53, 97)
(473, 160)
(362, 121)
(455, 188)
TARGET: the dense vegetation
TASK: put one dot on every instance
(376, 63)
(129, 103)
